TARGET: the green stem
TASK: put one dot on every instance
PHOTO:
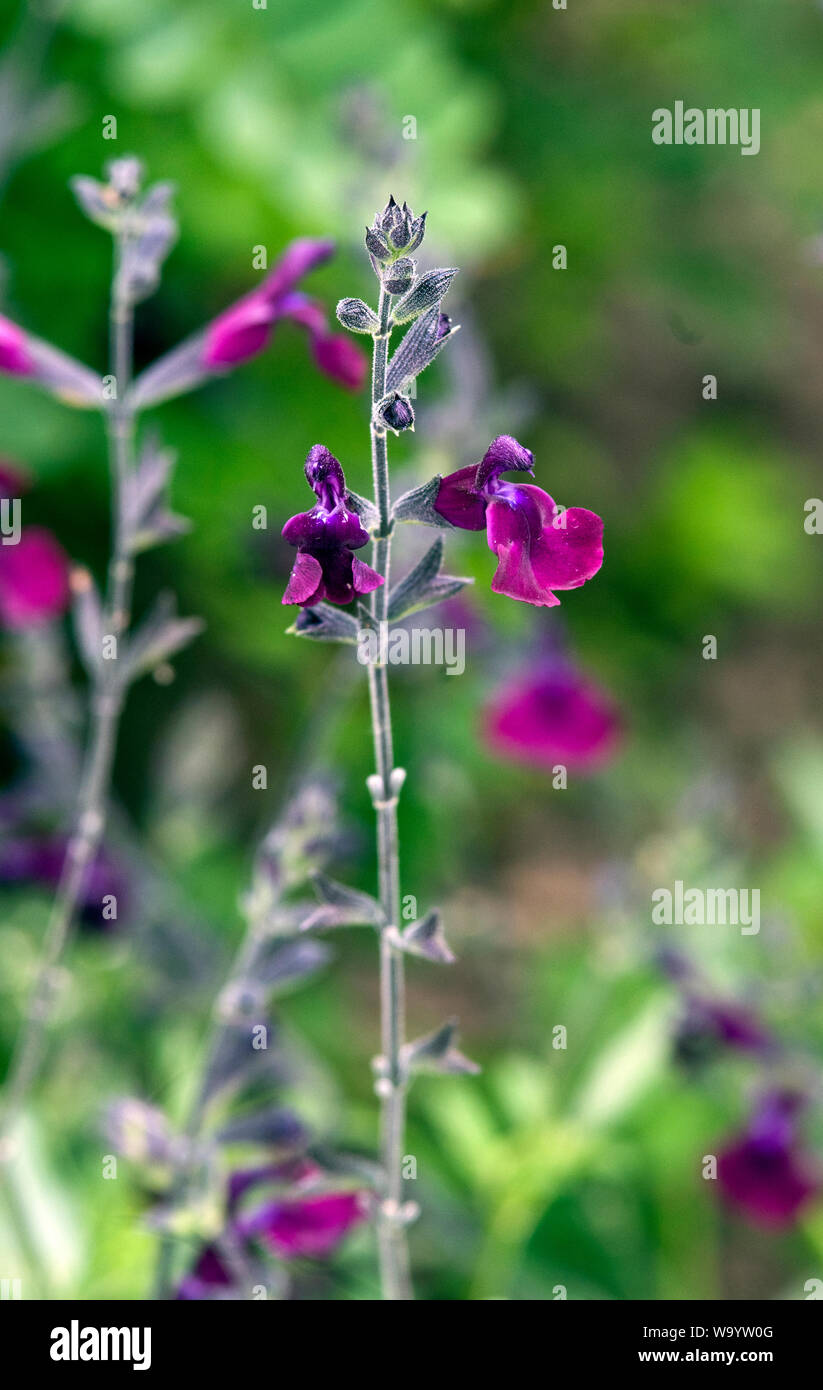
(393, 1247)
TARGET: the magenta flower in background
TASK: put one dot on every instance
(302, 1223)
(244, 330)
(539, 548)
(15, 358)
(764, 1172)
(34, 571)
(553, 714)
(38, 860)
(326, 538)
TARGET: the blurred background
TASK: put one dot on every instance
(573, 1165)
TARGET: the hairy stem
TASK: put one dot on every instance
(105, 707)
(393, 1246)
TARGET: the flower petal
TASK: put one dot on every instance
(305, 580)
(459, 501)
(239, 333)
(538, 548)
(364, 578)
(34, 579)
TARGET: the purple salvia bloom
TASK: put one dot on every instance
(325, 538)
(539, 548)
(302, 1223)
(244, 330)
(34, 580)
(764, 1172)
(553, 714)
(15, 358)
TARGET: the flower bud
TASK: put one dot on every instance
(396, 413)
(355, 315)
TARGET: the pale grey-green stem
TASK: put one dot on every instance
(391, 1085)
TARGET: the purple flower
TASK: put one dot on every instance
(15, 358)
(299, 1222)
(325, 538)
(34, 579)
(39, 859)
(708, 1025)
(764, 1172)
(538, 547)
(244, 329)
(553, 714)
(34, 572)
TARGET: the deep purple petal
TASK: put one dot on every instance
(34, 579)
(305, 580)
(364, 578)
(459, 501)
(538, 548)
(324, 476)
(515, 529)
(503, 455)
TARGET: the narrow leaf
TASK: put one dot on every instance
(325, 622)
(425, 938)
(418, 505)
(341, 906)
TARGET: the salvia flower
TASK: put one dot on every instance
(244, 330)
(765, 1172)
(300, 1220)
(325, 538)
(539, 547)
(553, 714)
(34, 570)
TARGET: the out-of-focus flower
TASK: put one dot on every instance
(708, 1025)
(299, 1222)
(39, 859)
(765, 1172)
(34, 579)
(553, 714)
(34, 569)
(23, 355)
(245, 329)
(539, 547)
(326, 537)
(15, 358)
